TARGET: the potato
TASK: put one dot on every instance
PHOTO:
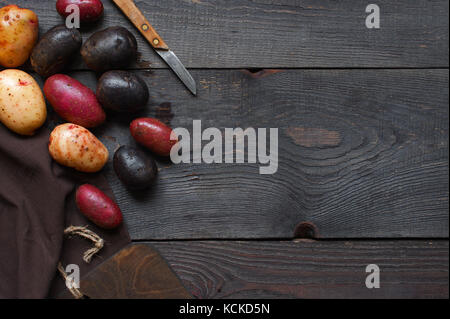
(90, 10)
(73, 101)
(19, 29)
(134, 168)
(153, 134)
(122, 91)
(98, 207)
(22, 105)
(110, 49)
(74, 146)
(55, 50)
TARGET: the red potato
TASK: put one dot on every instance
(90, 10)
(153, 134)
(73, 101)
(98, 207)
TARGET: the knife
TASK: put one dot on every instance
(141, 23)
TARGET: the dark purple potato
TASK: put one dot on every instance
(110, 49)
(135, 169)
(122, 91)
(55, 50)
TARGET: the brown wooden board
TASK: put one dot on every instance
(362, 153)
(336, 269)
(136, 272)
(282, 34)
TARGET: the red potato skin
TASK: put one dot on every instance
(90, 10)
(73, 101)
(97, 207)
(152, 134)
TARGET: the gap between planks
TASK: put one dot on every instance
(287, 240)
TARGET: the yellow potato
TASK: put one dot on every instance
(74, 146)
(22, 104)
(19, 30)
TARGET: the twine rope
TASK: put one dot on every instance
(76, 293)
(88, 234)
(87, 256)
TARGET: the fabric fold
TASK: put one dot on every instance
(33, 196)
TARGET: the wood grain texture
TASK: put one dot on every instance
(282, 34)
(128, 7)
(408, 269)
(362, 153)
(136, 272)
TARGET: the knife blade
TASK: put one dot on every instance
(129, 8)
(179, 69)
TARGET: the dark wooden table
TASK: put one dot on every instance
(363, 146)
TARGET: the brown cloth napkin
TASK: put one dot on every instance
(36, 205)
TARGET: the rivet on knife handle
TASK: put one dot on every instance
(135, 15)
(129, 9)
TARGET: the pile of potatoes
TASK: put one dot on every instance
(107, 52)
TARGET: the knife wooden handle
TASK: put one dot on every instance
(138, 19)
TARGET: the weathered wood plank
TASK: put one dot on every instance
(283, 34)
(362, 153)
(408, 269)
